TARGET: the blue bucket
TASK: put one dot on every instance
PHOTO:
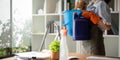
(68, 20)
(81, 28)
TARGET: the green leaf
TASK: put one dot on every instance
(55, 46)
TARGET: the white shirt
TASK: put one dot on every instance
(102, 10)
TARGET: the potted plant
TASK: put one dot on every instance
(54, 48)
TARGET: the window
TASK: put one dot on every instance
(15, 26)
(21, 25)
(5, 28)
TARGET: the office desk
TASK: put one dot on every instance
(80, 56)
(93, 57)
(85, 56)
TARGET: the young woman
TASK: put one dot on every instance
(102, 9)
(95, 46)
(94, 18)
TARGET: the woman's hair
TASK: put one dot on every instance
(82, 5)
(107, 1)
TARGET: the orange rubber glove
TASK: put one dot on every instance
(92, 16)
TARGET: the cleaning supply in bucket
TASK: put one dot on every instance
(68, 20)
(63, 46)
(81, 28)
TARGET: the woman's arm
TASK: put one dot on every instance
(106, 27)
(95, 19)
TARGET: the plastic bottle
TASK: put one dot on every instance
(81, 28)
(63, 46)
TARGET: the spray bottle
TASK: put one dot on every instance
(63, 45)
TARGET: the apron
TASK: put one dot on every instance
(95, 45)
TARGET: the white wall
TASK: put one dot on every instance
(4, 9)
(111, 46)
